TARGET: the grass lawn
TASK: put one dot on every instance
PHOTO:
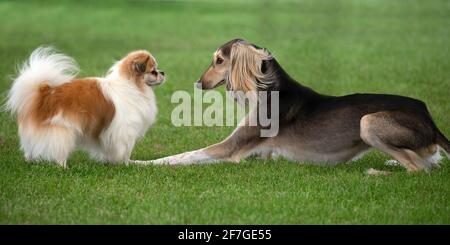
(335, 47)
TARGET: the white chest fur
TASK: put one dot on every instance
(135, 112)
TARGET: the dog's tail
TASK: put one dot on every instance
(443, 142)
(44, 69)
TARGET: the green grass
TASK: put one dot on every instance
(335, 47)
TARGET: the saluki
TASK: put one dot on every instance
(314, 127)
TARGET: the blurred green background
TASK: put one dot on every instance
(335, 47)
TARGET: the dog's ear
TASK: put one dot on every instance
(139, 64)
(246, 67)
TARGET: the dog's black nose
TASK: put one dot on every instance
(162, 72)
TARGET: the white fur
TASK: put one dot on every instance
(52, 143)
(44, 65)
(135, 111)
(392, 162)
(372, 171)
(191, 157)
(435, 159)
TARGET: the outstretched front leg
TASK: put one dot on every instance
(240, 144)
(197, 156)
(190, 157)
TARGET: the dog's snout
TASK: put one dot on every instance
(162, 72)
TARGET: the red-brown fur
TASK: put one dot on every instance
(135, 65)
(80, 100)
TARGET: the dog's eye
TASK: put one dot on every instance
(154, 73)
(219, 61)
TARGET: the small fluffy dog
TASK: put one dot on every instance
(314, 127)
(57, 112)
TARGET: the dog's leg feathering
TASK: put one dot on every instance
(238, 145)
(191, 157)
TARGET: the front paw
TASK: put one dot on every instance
(138, 162)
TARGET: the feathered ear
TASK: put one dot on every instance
(245, 70)
(140, 64)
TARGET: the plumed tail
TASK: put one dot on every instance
(45, 68)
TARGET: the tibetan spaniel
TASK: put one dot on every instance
(57, 112)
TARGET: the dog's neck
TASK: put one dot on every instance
(292, 95)
(283, 82)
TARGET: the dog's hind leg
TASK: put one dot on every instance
(61, 142)
(28, 157)
(405, 136)
(53, 143)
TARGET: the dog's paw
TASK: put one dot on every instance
(138, 162)
(372, 171)
(392, 162)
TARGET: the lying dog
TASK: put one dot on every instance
(315, 127)
(104, 115)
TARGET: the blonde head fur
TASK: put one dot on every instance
(245, 68)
